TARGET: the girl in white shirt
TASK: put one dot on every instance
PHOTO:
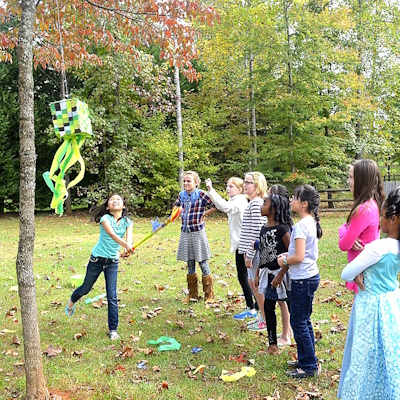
(234, 208)
(301, 260)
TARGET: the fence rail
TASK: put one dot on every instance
(343, 204)
(330, 203)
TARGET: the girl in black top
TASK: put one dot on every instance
(274, 239)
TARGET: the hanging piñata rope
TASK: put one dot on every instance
(72, 124)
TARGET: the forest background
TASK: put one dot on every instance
(294, 89)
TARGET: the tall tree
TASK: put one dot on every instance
(35, 382)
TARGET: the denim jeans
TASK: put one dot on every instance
(205, 269)
(301, 299)
(95, 267)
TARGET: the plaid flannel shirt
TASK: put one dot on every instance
(193, 206)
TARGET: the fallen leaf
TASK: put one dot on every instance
(329, 299)
(77, 353)
(97, 304)
(222, 335)
(11, 352)
(127, 352)
(180, 323)
(4, 331)
(334, 318)
(338, 328)
(11, 312)
(164, 385)
(200, 369)
(16, 341)
(318, 335)
(190, 375)
(146, 351)
(79, 335)
(326, 283)
(52, 351)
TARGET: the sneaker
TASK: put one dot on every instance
(113, 335)
(254, 321)
(261, 326)
(247, 313)
(282, 342)
(293, 363)
(298, 373)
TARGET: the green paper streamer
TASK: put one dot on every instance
(170, 343)
(72, 124)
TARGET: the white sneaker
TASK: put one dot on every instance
(113, 335)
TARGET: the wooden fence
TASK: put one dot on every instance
(390, 185)
(340, 200)
(335, 200)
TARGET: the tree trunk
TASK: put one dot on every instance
(290, 86)
(179, 124)
(35, 382)
(248, 127)
(359, 70)
(253, 111)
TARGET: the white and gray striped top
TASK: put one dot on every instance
(251, 226)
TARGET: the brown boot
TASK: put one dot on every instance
(208, 289)
(193, 287)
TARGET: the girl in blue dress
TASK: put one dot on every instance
(371, 360)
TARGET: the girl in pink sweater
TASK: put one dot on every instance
(362, 226)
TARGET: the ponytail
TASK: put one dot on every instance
(319, 229)
(310, 194)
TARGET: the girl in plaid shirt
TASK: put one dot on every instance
(193, 243)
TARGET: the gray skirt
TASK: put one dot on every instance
(193, 246)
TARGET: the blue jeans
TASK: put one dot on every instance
(205, 269)
(95, 267)
(301, 298)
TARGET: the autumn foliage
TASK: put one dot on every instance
(68, 32)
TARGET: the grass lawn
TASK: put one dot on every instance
(86, 365)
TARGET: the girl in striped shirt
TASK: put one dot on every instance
(255, 187)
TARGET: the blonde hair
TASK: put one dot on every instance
(195, 177)
(238, 182)
(259, 182)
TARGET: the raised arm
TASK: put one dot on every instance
(228, 207)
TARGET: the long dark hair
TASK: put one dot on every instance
(367, 184)
(309, 194)
(392, 204)
(280, 203)
(97, 212)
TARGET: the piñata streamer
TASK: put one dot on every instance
(72, 124)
